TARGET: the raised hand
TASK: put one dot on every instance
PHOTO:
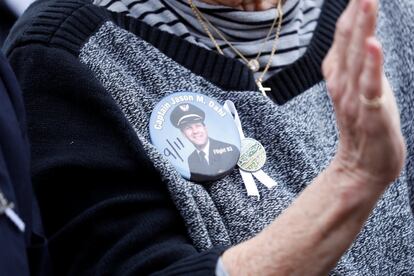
(325, 218)
(371, 145)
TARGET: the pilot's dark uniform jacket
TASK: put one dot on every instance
(22, 248)
(221, 156)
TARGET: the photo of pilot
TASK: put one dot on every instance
(211, 159)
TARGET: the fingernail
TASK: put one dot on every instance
(371, 48)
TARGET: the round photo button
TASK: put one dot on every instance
(196, 135)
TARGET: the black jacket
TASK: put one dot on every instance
(21, 253)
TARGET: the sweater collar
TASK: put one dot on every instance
(226, 73)
(231, 74)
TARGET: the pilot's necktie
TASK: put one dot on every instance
(203, 159)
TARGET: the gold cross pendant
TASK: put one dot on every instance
(263, 89)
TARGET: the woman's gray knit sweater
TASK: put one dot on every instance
(91, 79)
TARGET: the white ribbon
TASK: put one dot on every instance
(247, 177)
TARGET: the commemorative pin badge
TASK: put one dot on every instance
(196, 134)
(253, 155)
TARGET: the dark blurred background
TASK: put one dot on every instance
(10, 10)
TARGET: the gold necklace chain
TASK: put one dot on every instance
(200, 16)
(203, 21)
(253, 64)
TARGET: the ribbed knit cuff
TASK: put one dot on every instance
(202, 264)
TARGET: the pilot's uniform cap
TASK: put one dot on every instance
(184, 114)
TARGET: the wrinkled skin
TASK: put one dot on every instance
(371, 145)
(325, 218)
